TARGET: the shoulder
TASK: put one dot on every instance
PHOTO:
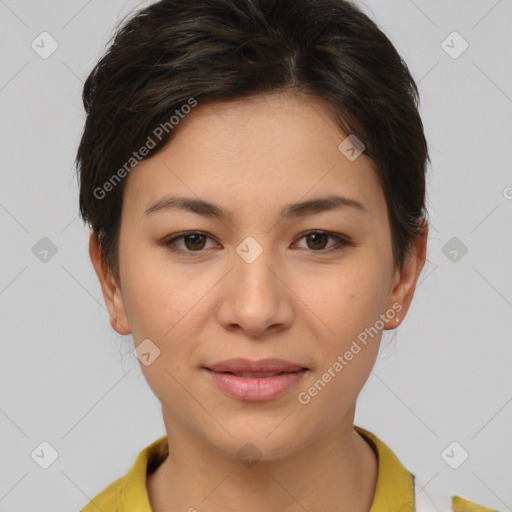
(454, 503)
(106, 500)
(129, 492)
(461, 505)
(396, 484)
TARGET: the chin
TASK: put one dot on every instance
(258, 440)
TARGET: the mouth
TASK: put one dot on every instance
(255, 386)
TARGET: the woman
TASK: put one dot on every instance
(254, 176)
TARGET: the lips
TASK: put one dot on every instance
(255, 381)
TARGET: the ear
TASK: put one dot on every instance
(404, 283)
(112, 293)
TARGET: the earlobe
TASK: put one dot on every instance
(112, 293)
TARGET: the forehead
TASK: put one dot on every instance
(268, 149)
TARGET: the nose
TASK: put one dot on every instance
(255, 298)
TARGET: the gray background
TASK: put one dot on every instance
(68, 379)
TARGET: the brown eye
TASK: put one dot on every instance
(317, 241)
(188, 243)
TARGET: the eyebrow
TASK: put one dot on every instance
(311, 206)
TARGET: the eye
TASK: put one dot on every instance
(316, 241)
(194, 241)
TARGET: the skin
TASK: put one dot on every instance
(301, 300)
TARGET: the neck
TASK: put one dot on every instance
(337, 472)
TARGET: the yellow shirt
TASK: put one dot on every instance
(394, 491)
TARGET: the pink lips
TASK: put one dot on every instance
(255, 380)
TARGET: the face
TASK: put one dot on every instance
(251, 276)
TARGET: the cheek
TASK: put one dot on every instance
(346, 357)
(347, 299)
(147, 307)
(155, 295)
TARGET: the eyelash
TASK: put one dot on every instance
(341, 242)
